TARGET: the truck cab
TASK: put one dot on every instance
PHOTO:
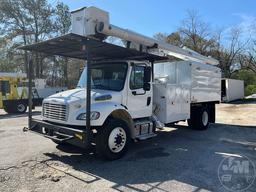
(120, 90)
(116, 85)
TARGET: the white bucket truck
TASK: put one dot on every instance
(124, 94)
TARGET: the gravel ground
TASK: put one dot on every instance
(178, 159)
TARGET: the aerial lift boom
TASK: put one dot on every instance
(93, 21)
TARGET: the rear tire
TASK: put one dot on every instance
(16, 107)
(199, 118)
(112, 139)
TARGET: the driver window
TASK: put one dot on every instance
(137, 76)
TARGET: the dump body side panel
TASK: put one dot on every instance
(171, 93)
(178, 84)
(205, 83)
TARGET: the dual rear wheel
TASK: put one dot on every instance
(200, 118)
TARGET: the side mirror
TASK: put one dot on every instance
(147, 74)
(147, 78)
(146, 86)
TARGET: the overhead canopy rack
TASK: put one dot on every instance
(75, 46)
(87, 48)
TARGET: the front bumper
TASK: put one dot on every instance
(59, 133)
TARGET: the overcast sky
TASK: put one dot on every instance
(150, 16)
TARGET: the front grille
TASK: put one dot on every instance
(55, 111)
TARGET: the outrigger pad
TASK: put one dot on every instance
(75, 46)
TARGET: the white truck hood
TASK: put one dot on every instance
(79, 94)
(75, 100)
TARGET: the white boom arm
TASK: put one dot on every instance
(92, 21)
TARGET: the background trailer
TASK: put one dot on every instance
(231, 90)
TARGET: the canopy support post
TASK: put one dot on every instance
(30, 102)
(152, 70)
(88, 95)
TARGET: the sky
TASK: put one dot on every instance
(150, 16)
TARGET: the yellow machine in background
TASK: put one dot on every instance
(9, 83)
(14, 93)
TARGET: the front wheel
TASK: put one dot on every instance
(112, 139)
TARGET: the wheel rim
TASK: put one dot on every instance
(205, 118)
(21, 107)
(117, 139)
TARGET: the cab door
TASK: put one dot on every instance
(139, 101)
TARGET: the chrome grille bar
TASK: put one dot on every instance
(55, 111)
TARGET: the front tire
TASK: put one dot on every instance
(112, 140)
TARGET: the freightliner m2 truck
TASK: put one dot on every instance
(125, 93)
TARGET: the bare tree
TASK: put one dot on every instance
(62, 26)
(14, 24)
(175, 39)
(248, 59)
(232, 51)
(41, 26)
(24, 22)
(161, 36)
(195, 33)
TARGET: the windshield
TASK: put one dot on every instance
(107, 76)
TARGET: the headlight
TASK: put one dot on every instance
(94, 116)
